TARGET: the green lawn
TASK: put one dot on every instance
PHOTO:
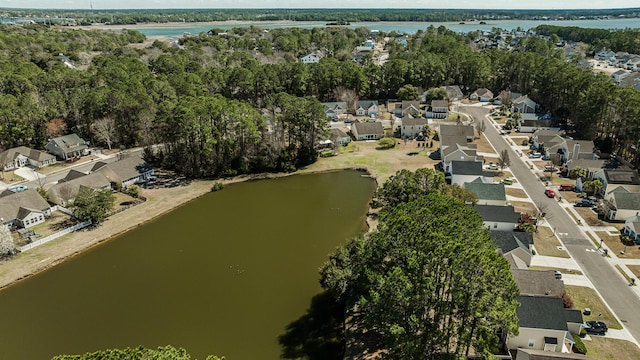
(584, 297)
(600, 348)
(547, 244)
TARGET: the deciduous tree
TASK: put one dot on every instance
(7, 246)
(93, 205)
(503, 159)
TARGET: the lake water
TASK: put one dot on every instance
(223, 275)
(400, 26)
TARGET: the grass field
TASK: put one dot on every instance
(615, 244)
(518, 193)
(547, 244)
(600, 348)
(584, 297)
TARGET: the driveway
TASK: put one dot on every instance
(29, 174)
(608, 282)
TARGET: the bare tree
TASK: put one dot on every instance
(481, 126)
(105, 129)
(65, 191)
(6, 241)
(349, 96)
(503, 159)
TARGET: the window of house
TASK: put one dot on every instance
(532, 343)
(495, 225)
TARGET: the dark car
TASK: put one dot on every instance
(596, 327)
(583, 204)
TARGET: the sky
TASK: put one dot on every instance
(365, 4)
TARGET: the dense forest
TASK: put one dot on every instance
(122, 17)
(616, 40)
(241, 102)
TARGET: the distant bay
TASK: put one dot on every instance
(409, 27)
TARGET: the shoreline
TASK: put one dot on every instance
(160, 202)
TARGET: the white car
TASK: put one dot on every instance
(492, 166)
(535, 155)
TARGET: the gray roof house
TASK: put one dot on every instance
(366, 108)
(456, 151)
(538, 282)
(411, 127)
(456, 131)
(623, 204)
(22, 156)
(514, 243)
(410, 108)
(632, 228)
(63, 193)
(339, 137)
(487, 193)
(524, 104)
(439, 109)
(545, 325)
(468, 171)
(67, 147)
(124, 172)
(613, 178)
(531, 354)
(24, 209)
(333, 109)
(367, 130)
(496, 217)
(482, 95)
(454, 93)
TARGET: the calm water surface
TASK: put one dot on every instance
(409, 27)
(223, 275)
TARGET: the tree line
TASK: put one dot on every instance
(616, 40)
(197, 98)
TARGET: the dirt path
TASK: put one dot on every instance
(380, 163)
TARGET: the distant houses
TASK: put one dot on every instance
(18, 157)
(23, 209)
(68, 147)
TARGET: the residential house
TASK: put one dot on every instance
(482, 95)
(524, 105)
(366, 108)
(544, 324)
(124, 172)
(465, 131)
(619, 75)
(410, 108)
(514, 244)
(531, 354)
(68, 147)
(530, 123)
(622, 204)
(468, 171)
(24, 209)
(605, 55)
(538, 282)
(439, 109)
(506, 97)
(338, 136)
(495, 217)
(632, 228)
(591, 166)
(64, 192)
(487, 193)
(412, 127)
(632, 80)
(334, 109)
(633, 64)
(454, 93)
(311, 58)
(367, 130)
(613, 178)
(449, 153)
(22, 156)
(540, 137)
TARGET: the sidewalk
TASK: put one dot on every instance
(554, 262)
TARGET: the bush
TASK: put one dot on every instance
(133, 191)
(218, 185)
(567, 301)
(583, 333)
(579, 347)
(386, 143)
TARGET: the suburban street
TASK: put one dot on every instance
(613, 288)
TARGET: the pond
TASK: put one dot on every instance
(223, 275)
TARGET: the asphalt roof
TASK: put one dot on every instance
(508, 241)
(497, 213)
(538, 282)
(70, 142)
(626, 200)
(10, 154)
(456, 130)
(487, 191)
(126, 168)
(410, 121)
(615, 176)
(11, 205)
(338, 133)
(542, 312)
(466, 168)
(369, 128)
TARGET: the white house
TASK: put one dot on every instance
(632, 228)
(613, 178)
(412, 127)
(439, 109)
(68, 147)
(503, 218)
(524, 105)
(623, 204)
(22, 156)
(366, 108)
(311, 58)
(467, 171)
(482, 95)
(339, 137)
(24, 209)
(367, 130)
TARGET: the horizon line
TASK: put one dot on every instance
(323, 8)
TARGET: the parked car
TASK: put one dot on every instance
(583, 204)
(550, 168)
(558, 275)
(550, 193)
(567, 187)
(492, 166)
(535, 155)
(507, 181)
(595, 327)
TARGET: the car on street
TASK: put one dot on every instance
(535, 155)
(567, 187)
(550, 193)
(595, 327)
(507, 181)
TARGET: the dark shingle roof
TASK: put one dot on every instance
(551, 355)
(508, 241)
(369, 128)
(629, 177)
(456, 130)
(626, 200)
(338, 133)
(126, 168)
(70, 142)
(542, 312)
(466, 168)
(497, 213)
(487, 191)
(410, 121)
(538, 282)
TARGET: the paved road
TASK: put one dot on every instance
(606, 279)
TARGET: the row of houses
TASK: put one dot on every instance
(28, 208)
(620, 59)
(60, 148)
(545, 325)
(436, 109)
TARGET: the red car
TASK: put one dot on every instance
(550, 193)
